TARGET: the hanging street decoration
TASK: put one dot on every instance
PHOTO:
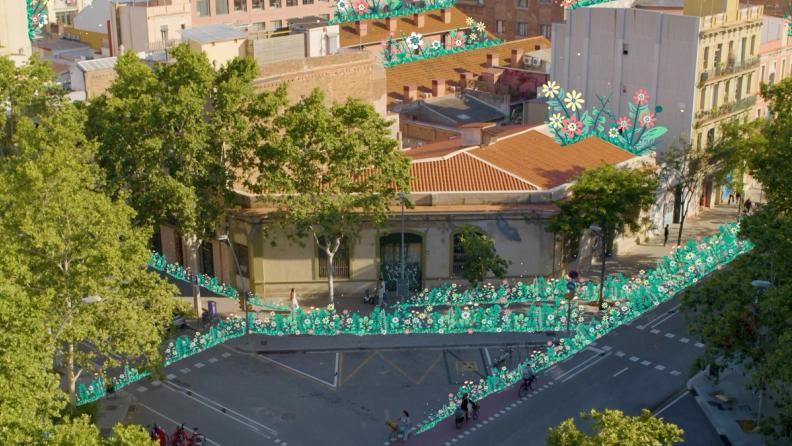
(354, 10)
(636, 132)
(412, 47)
(36, 16)
(683, 267)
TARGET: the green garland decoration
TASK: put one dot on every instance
(354, 10)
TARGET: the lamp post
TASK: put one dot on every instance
(570, 297)
(224, 238)
(401, 287)
(760, 286)
(601, 236)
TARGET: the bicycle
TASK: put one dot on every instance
(526, 386)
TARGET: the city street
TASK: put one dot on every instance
(307, 398)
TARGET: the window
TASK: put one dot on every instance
(718, 55)
(164, 33)
(276, 25)
(545, 30)
(275, 4)
(761, 73)
(715, 95)
(743, 48)
(203, 7)
(500, 27)
(240, 5)
(522, 3)
(308, 2)
(783, 69)
(258, 5)
(753, 45)
(522, 29)
(726, 92)
(739, 91)
(457, 257)
(625, 49)
(698, 140)
(340, 260)
(703, 99)
(65, 18)
(207, 258)
(750, 81)
(290, 3)
(221, 7)
(730, 55)
(706, 58)
(242, 256)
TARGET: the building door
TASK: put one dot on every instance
(390, 260)
(705, 195)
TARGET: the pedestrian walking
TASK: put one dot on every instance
(381, 294)
(731, 198)
(405, 425)
(465, 405)
(748, 205)
(293, 301)
(665, 235)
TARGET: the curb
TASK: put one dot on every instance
(707, 409)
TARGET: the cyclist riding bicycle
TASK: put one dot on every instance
(528, 377)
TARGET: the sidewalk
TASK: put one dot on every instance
(727, 403)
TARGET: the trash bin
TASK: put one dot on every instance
(212, 309)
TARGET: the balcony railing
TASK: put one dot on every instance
(728, 68)
(163, 44)
(725, 109)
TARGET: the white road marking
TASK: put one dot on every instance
(675, 372)
(684, 394)
(620, 372)
(156, 383)
(141, 389)
(300, 372)
(600, 358)
(582, 364)
(607, 348)
(198, 365)
(225, 354)
(619, 354)
(699, 345)
(594, 349)
(212, 359)
(654, 331)
(594, 343)
(665, 315)
(208, 440)
(185, 370)
(660, 367)
(646, 363)
(634, 358)
(670, 335)
(170, 376)
(230, 413)
(684, 340)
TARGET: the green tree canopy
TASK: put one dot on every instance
(480, 256)
(174, 140)
(328, 169)
(614, 428)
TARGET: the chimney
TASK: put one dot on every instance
(438, 87)
(464, 78)
(471, 133)
(419, 19)
(446, 14)
(410, 93)
(492, 60)
(393, 23)
(362, 27)
(516, 57)
(490, 77)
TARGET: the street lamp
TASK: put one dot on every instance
(760, 286)
(224, 238)
(401, 287)
(601, 236)
(570, 297)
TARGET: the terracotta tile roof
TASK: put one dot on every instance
(462, 173)
(378, 29)
(449, 67)
(436, 149)
(537, 158)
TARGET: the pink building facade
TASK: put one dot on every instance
(268, 15)
(775, 54)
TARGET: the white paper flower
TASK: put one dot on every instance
(415, 41)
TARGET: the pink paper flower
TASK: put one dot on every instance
(641, 96)
(623, 123)
(572, 126)
(647, 120)
(361, 6)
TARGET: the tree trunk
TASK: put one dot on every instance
(71, 379)
(683, 215)
(192, 246)
(330, 286)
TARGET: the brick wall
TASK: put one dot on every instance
(534, 14)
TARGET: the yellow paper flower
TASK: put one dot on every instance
(574, 100)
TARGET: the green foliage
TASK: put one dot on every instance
(606, 196)
(129, 435)
(614, 428)
(741, 324)
(328, 169)
(480, 256)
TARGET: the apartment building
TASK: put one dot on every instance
(698, 62)
(147, 25)
(775, 58)
(514, 19)
(14, 41)
(261, 15)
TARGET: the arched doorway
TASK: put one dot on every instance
(390, 260)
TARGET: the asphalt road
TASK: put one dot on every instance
(643, 365)
(319, 398)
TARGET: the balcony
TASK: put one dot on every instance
(727, 69)
(725, 109)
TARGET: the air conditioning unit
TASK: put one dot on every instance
(528, 60)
